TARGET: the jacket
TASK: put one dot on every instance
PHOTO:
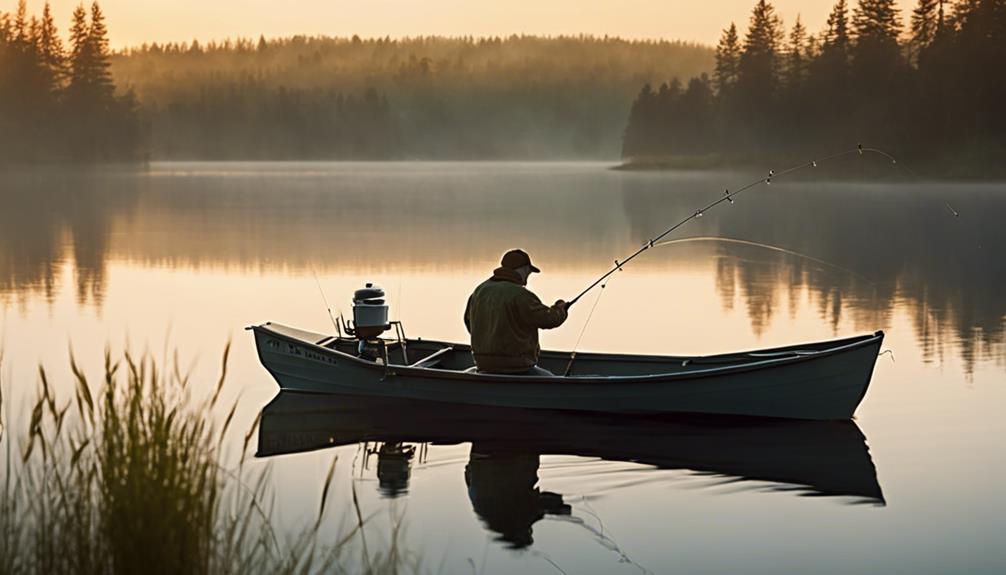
(503, 318)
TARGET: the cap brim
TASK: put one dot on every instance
(534, 269)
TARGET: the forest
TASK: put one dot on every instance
(59, 102)
(519, 97)
(932, 94)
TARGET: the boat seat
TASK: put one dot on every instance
(434, 358)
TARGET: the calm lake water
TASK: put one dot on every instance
(184, 256)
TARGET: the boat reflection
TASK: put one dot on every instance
(815, 458)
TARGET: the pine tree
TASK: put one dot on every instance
(101, 76)
(636, 140)
(728, 54)
(836, 39)
(21, 24)
(50, 48)
(923, 24)
(796, 56)
(80, 52)
(875, 25)
(759, 62)
(877, 62)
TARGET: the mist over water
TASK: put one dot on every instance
(186, 255)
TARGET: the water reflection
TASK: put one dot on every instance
(906, 249)
(944, 271)
(503, 489)
(394, 467)
(51, 217)
(808, 458)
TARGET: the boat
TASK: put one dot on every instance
(814, 381)
(816, 458)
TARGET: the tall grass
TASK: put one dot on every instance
(129, 476)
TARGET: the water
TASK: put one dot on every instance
(184, 256)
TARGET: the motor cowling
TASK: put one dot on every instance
(370, 312)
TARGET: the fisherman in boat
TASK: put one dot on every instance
(503, 318)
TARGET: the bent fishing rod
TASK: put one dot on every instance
(728, 197)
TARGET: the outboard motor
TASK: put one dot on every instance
(370, 315)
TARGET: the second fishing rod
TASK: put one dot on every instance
(728, 197)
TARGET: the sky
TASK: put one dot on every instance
(132, 22)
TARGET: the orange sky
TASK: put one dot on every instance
(132, 22)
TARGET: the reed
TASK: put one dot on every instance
(129, 476)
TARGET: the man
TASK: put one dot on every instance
(504, 317)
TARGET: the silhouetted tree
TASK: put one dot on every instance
(638, 139)
(875, 27)
(757, 82)
(927, 18)
(836, 39)
(758, 70)
(57, 107)
(797, 57)
(943, 107)
(51, 52)
(728, 54)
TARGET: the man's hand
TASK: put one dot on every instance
(561, 304)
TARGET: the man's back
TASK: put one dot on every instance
(503, 318)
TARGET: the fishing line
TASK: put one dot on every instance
(583, 330)
(599, 536)
(767, 247)
(728, 196)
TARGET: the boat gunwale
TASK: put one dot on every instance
(847, 344)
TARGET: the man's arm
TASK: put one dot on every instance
(540, 315)
(468, 317)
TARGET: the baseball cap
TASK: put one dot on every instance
(514, 259)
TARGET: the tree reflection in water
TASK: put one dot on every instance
(943, 271)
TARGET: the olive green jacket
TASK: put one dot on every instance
(504, 318)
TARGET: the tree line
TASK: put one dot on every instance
(526, 97)
(933, 93)
(522, 97)
(59, 102)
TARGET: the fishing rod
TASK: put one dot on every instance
(325, 300)
(728, 197)
(597, 300)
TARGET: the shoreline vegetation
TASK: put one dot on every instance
(59, 101)
(133, 475)
(769, 94)
(924, 94)
(335, 98)
(424, 98)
